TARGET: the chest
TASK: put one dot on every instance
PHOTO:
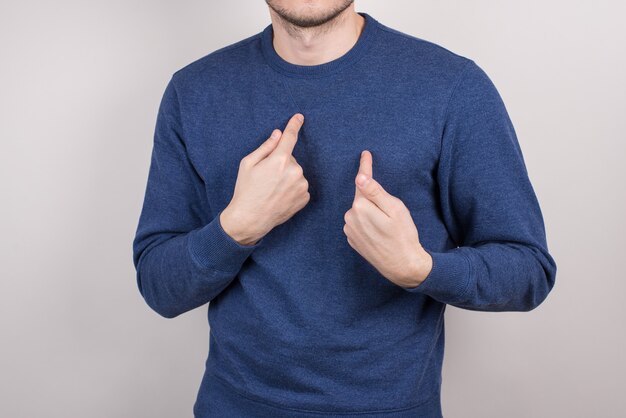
(398, 126)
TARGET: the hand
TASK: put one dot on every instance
(380, 228)
(270, 187)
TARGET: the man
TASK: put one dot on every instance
(329, 250)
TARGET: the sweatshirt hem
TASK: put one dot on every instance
(223, 394)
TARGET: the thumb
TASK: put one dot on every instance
(373, 191)
(265, 148)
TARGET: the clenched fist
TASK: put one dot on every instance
(380, 228)
(270, 187)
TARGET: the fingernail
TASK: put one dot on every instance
(361, 179)
(300, 117)
(275, 134)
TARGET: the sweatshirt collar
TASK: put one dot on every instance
(365, 40)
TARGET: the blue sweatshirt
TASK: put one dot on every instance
(300, 324)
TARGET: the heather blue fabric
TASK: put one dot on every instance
(300, 323)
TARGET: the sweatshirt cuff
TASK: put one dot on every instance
(212, 248)
(449, 277)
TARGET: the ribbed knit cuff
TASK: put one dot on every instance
(212, 248)
(449, 278)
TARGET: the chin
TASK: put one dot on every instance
(308, 12)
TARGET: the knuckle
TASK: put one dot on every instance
(295, 170)
(245, 162)
(281, 160)
(374, 191)
(304, 185)
(397, 206)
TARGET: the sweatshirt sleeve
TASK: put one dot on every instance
(501, 261)
(182, 258)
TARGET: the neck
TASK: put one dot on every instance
(319, 44)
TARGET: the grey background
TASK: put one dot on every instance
(80, 85)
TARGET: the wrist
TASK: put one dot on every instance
(235, 226)
(420, 268)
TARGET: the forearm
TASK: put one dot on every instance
(494, 276)
(489, 208)
(185, 271)
(183, 258)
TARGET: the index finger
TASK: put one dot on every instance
(290, 134)
(365, 167)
